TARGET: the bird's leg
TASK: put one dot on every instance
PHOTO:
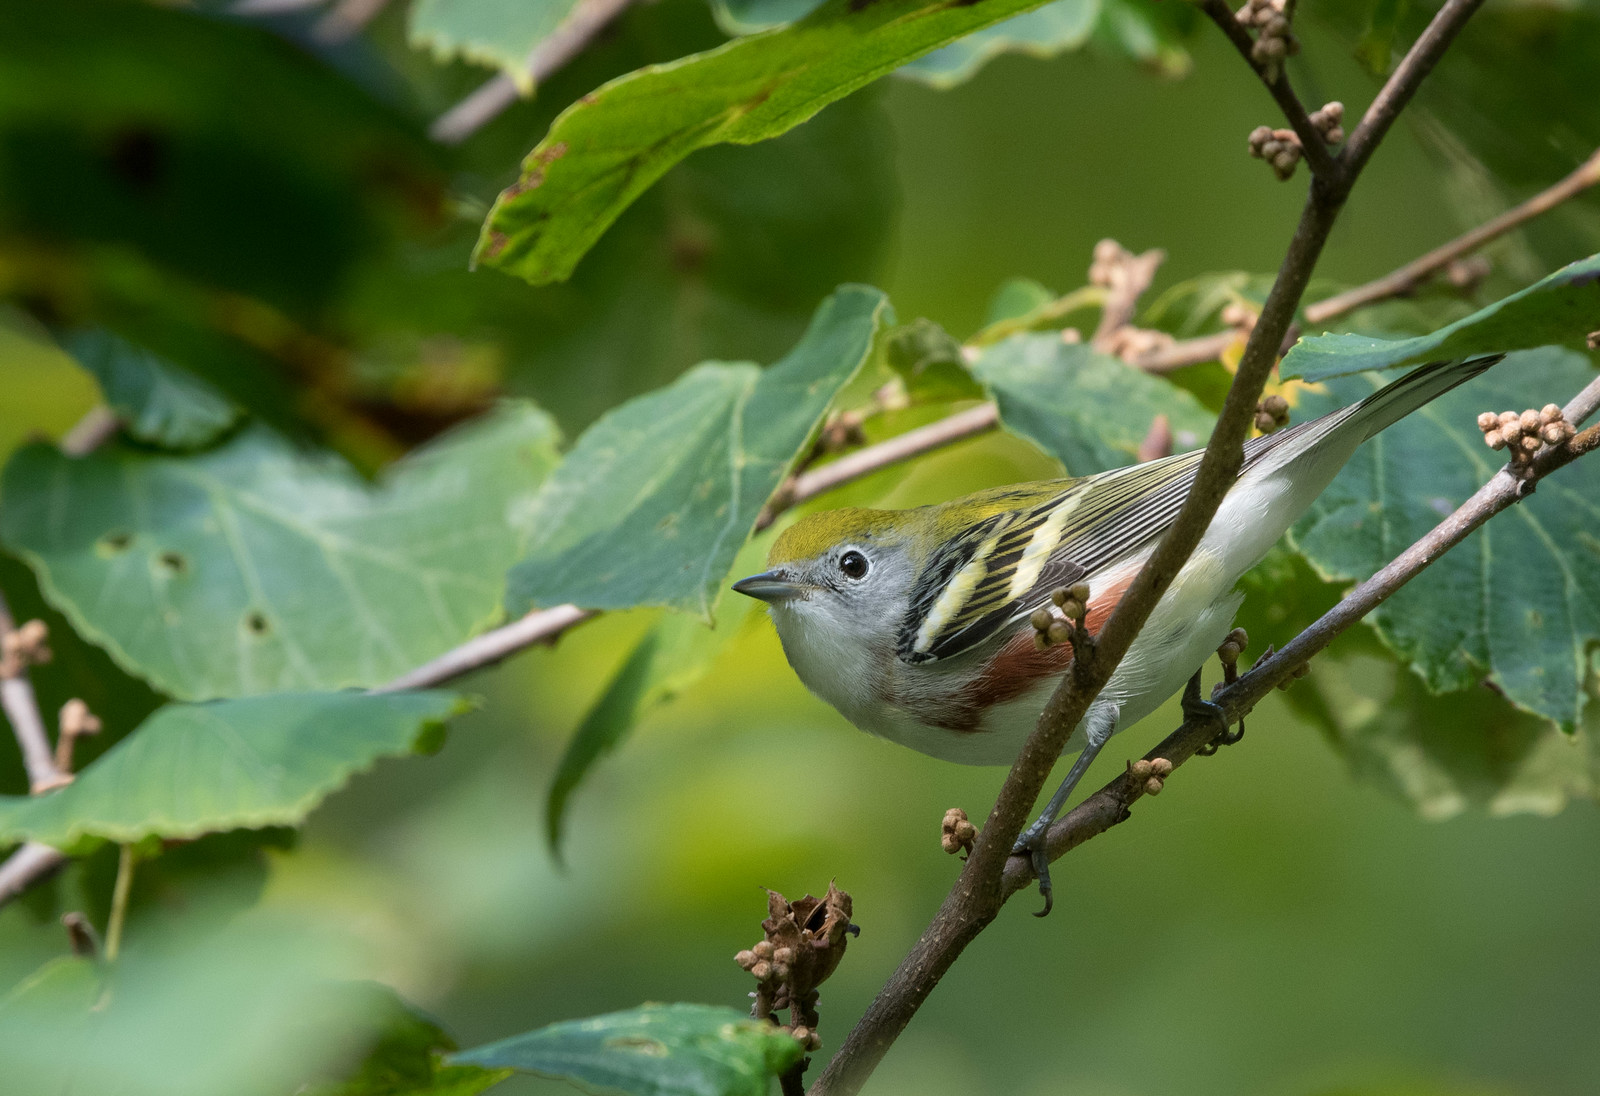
(1098, 728)
(1196, 708)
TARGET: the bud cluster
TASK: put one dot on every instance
(1278, 147)
(1526, 433)
(1274, 42)
(25, 646)
(1272, 413)
(1151, 774)
(958, 833)
(1328, 120)
(1051, 628)
(802, 944)
(1241, 316)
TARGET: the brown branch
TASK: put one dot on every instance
(977, 896)
(1109, 806)
(1312, 146)
(1402, 85)
(493, 96)
(1407, 278)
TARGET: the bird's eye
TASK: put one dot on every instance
(853, 564)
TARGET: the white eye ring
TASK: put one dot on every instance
(854, 564)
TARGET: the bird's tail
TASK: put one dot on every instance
(1393, 402)
(1385, 407)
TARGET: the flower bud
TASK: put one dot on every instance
(1531, 443)
(1509, 417)
(1530, 421)
(1041, 619)
(1494, 440)
(1511, 431)
(1059, 632)
(763, 949)
(783, 955)
(1153, 786)
(1140, 769)
(1550, 413)
(1488, 421)
(1080, 592)
(1161, 767)
(745, 959)
(762, 970)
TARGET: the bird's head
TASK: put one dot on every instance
(841, 578)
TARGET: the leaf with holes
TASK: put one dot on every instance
(1559, 310)
(653, 1050)
(157, 401)
(498, 33)
(656, 499)
(193, 769)
(1518, 602)
(257, 567)
(1088, 410)
(604, 151)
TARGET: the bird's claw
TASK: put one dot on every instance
(1032, 845)
(1198, 708)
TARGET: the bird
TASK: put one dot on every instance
(920, 625)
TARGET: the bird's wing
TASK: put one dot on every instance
(1002, 568)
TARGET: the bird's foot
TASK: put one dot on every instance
(1196, 707)
(1032, 845)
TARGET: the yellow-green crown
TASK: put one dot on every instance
(814, 534)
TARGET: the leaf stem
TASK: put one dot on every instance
(119, 902)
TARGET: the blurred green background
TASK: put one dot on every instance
(271, 213)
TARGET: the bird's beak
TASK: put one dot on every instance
(771, 586)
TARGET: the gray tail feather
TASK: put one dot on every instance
(1424, 384)
(1385, 407)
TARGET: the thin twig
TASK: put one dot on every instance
(493, 96)
(1312, 146)
(1109, 806)
(1402, 85)
(89, 433)
(975, 899)
(21, 706)
(1407, 278)
(346, 20)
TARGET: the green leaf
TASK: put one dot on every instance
(1377, 45)
(1053, 29)
(1560, 309)
(753, 16)
(1519, 600)
(407, 1055)
(1088, 410)
(497, 33)
(192, 769)
(256, 567)
(673, 655)
(655, 500)
(1444, 755)
(653, 1050)
(157, 401)
(607, 149)
(929, 361)
(1017, 297)
(255, 1006)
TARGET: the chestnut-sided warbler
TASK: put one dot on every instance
(915, 624)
